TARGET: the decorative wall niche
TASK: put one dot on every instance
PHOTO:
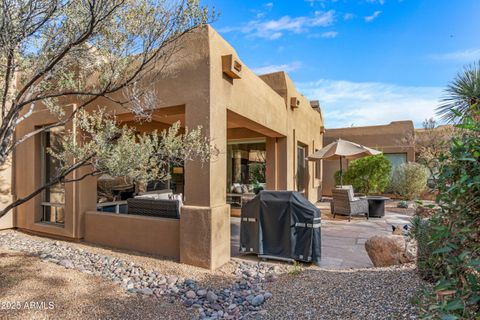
(294, 102)
(231, 66)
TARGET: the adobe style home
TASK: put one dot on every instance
(263, 127)
(395, 140)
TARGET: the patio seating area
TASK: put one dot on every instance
(160, 203)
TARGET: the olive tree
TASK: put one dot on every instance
(431, 142)
(53, 52)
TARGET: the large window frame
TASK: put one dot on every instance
(301, 170)
(251, 169)
(53, 212)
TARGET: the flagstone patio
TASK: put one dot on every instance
(343, 242)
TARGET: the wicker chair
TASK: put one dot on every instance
(344, 203)
(154, 208)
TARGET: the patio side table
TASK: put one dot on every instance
(376, 206)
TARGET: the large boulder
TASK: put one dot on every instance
(390, 250)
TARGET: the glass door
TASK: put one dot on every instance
(301, 168)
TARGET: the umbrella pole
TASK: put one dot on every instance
(341, 173)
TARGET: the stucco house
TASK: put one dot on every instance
(263, 127)
(395, 140)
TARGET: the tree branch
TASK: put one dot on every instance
(59, 178)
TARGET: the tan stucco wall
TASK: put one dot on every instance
(205, 236)
(195, 82)
(158, 236)
(6, 222)
(396, 137)
(265, 100)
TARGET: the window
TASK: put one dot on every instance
(246, 166)
(301, 168)
(318, 168)
(396, 159)
(53, 204)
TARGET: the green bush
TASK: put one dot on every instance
(367, 175)
(409, 180)
(402, 204)
(449, 242)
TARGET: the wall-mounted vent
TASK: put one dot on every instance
(294, 102)
(231, 66)
(315, 104)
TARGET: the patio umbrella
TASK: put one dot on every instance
(342, 149)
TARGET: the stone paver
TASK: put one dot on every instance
(342, 241)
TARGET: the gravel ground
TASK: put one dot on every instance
(241, 294)
(375, 293)
(88, 282)
(75, 295)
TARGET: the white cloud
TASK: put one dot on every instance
(287, 67)
(274, 29)
(321, 2)
(373, 16)
(380, 2)
(268, 5)
(468, 55)
(369, 103)
(348, 16)
(329, 34)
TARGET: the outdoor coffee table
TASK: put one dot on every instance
(376, 206)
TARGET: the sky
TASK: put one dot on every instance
(367, 61)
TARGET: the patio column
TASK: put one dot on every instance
(282, 164)
(271, 170)
(205, 217)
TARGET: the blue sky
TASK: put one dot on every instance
(366, 61)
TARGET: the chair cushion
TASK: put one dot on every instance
(351, 195)
(155, 196)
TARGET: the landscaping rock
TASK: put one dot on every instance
(201, 292)
(243, 299)
(146, 291)
(258, 300)
(191, 294)
(66, 263)
(387, 251)
(212, 297)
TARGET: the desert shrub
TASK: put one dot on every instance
(449, 242)
(409, 180)
(368, 175)
(402, 204)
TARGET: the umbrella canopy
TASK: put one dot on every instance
(342, 149)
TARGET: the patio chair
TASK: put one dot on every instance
(344, 203)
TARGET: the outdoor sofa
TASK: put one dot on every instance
(163, 208)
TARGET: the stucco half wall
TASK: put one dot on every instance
(396, 137)
(152, 235)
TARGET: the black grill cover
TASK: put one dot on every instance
(281, 224)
